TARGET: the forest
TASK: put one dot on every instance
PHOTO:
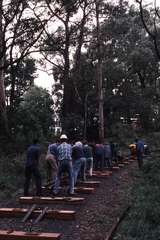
(104, 58)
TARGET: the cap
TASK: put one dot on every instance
(63, 136)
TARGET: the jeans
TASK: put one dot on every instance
(29, 171)
(108, 162)
(79, 166)
(64, 166)
(99, 162)
(140, 159)
(83, 169)
(89, 165)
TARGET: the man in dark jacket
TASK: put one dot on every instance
(79, 161)
(139, 152)
(31, 168)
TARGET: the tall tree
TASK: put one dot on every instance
(20, 31)
(3, 116)
(151, 20)
(99, 71)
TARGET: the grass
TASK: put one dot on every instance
(12, 174)
(142, 222)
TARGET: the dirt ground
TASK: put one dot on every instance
(95, 217)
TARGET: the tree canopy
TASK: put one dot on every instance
(103, 55)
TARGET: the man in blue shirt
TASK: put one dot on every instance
(139, 152)
(64, 165)
(31, 168)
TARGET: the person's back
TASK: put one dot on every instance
(107, 150)
(53, 149)
(64, 165)
(64, 151)
(88, 154)
(77, 152)
(33, 153)
(140, 146)
(99, 156)
(99, 150)
(31, 168)
(88, 151)
(139, 152)
(51, 162)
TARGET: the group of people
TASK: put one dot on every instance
(77, 160)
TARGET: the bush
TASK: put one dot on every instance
(142, 222)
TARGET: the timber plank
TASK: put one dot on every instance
(19, 235)
(121, 165)
(51, 200)
(50, 214)
(126, 162)
(101, 174)
(91, 184)
(83, 183)
(84, 190)
(115, 168)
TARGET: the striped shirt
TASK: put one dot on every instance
(64, 151)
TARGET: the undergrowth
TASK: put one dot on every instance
(142, 222)
(12, 174)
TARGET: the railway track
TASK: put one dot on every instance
(31, 211)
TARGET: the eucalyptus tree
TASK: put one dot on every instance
(24, 75)
(129, 64)
(63, 46)
(151, 20)
(19, 33)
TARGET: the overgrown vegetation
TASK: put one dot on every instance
(12, 173)
(142, 222)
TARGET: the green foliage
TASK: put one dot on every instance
(34, 115)
(74, 126)
(11, 179)
(143, 220)
(123, 133)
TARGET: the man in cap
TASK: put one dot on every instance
(65, 164)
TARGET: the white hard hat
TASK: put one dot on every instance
(63, 136)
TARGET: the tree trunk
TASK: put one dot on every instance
(3, 114)
(99, 75)
(67, 91)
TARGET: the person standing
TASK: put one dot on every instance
(64, 165)
(88, 154)
(51, 161)
(31, 168)
(139, 152)
(79, 162)
(99, 156)
(107, 155)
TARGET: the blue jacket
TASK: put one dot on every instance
(33, 153)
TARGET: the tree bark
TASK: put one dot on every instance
(3, 114)
(99, 74)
